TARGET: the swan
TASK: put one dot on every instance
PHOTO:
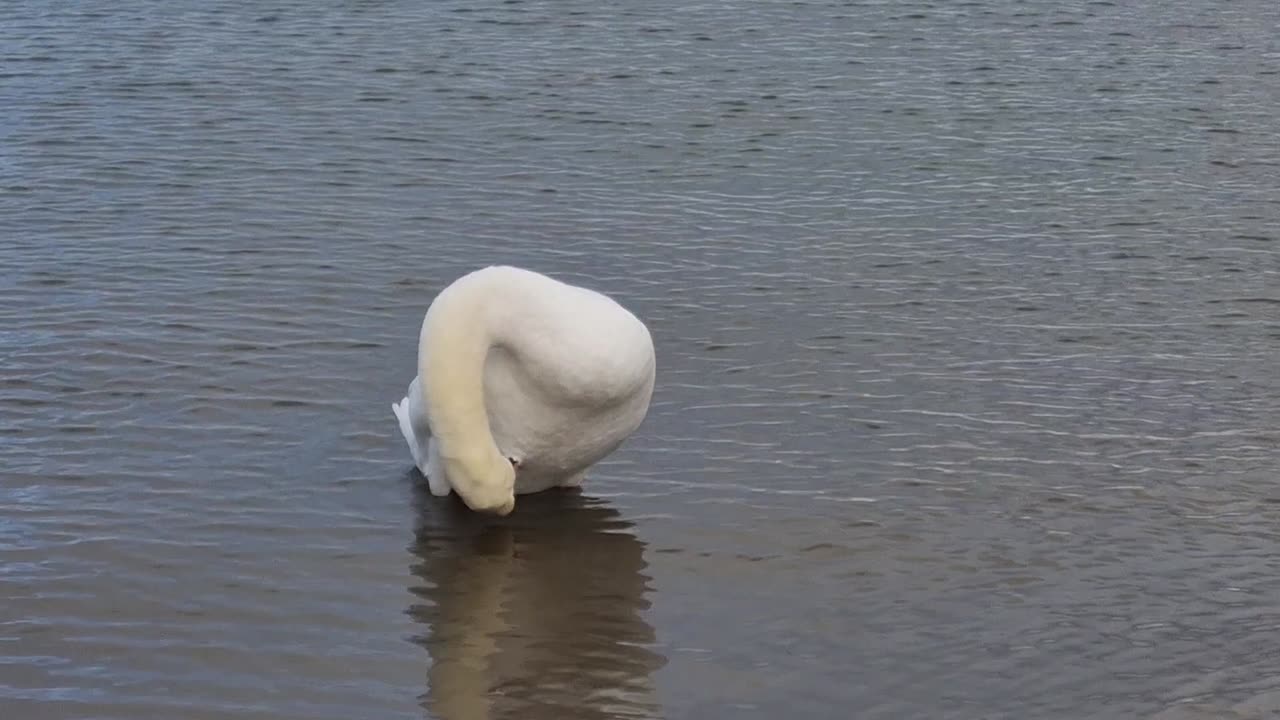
(523, 383)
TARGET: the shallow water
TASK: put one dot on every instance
(966, 314)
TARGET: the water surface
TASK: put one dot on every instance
(966, 314)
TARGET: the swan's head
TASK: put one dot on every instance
(486, 484)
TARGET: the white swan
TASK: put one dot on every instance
(523, 383)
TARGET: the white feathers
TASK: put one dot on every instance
(515, 367)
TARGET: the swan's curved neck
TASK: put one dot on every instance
(457, 334)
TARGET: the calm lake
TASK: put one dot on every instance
(967, 318)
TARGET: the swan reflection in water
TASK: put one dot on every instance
(534, 616)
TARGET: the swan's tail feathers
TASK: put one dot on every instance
(401, 410)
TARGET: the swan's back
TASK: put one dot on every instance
(577, 344)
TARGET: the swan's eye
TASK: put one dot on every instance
(514, 463)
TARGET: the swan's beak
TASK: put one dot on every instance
(501, 509)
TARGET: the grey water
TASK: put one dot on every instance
(967, 317)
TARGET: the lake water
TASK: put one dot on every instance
(967, 318)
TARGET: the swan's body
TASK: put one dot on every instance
(523, 383)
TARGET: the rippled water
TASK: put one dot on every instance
(967, 318)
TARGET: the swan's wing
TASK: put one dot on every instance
(412, 415)
(401, 410)
(413, 425)
(437, 481)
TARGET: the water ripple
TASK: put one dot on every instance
(966, 318)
